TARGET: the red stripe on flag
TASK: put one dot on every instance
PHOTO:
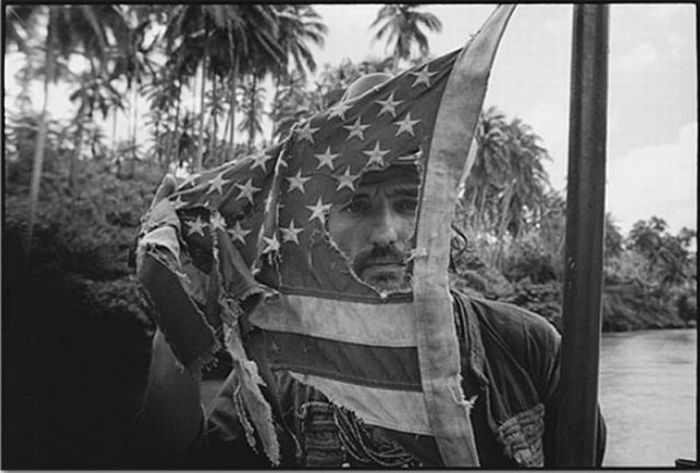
(381, 367)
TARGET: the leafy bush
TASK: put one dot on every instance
(86, 229)
(542, 298)
(650, 282)
(528, 259)
(687, 304)
(634, 307)
(472, 275)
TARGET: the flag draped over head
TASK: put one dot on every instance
(247, 244)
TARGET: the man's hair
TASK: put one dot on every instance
(363, 84)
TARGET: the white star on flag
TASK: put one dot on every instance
(260, 160)
(217, 221)
(318, 210)
(247, 190)
(376, 155)
(189, 181)
(339, 111)
(306, 132)
(406, 125)
(272, 244)
(297, 182)
(178, 202)
(196, 227)
(217, 184)
(347, 180)
(238, 233)
(422, 76)
(290, 233)
(388, 105)
(356, 129)
(326, 159)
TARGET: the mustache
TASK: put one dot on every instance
(380, 255)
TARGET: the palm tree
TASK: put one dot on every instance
(69, 29)
(253, 96)
(551, 230)
(131, 60)
(21, 20)
(528, 180)
(505, 190)
(291, 103)
(163, 95)
(224, 40)
(488, 173)
(260, 50)
(401, 24)
(300, 26)
(94, 93)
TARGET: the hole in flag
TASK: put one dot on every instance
(374, 227)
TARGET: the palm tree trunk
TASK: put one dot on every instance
(275, 101)
(202, 113)
(503, 225)
(172, 143)
(212, 146)
(159, 150)
(41, 138)
(134, 123)
(396, 62)
(114, 133)
(232, 107)
(253, 113)
(200, 145)
(222, 155)
(194, 95)
(481, 209)
(76, 153)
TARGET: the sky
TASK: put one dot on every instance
(652, 95)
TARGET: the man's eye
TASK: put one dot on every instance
(406, 205)
(357, 207)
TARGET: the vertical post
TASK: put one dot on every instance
(577, 434)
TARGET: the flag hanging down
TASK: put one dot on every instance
(248, 241)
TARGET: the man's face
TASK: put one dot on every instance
(375, 227)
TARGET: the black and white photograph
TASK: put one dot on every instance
(297, 236)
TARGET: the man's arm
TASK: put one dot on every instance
(171, 420)
(171, 417)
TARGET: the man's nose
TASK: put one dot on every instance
(386, 228)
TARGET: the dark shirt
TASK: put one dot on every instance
(510, 368)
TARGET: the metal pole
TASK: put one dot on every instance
(585, 211)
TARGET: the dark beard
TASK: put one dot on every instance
(384, 255)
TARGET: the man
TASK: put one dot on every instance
(509, 364)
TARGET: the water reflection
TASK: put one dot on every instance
(648, 396)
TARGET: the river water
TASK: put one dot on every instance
(648, 393)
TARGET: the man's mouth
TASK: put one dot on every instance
(382, 269)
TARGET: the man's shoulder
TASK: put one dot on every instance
(511, 324)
